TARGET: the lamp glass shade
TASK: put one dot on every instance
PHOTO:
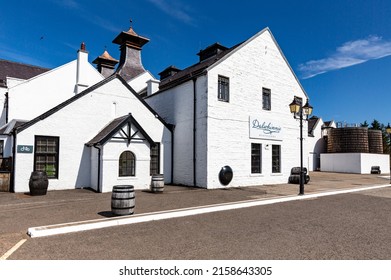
(388, 129)
(294, 107)
(307, 108)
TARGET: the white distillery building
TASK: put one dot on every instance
(86, 142)
(86, 128)
(232, 109)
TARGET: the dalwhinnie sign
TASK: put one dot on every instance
(261, 128)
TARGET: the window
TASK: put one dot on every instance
(223, 90)
(276, 159)
(1, 148)
(46, 155)
(266, 99)
(155, 160)
(127, 164)
(256, 158)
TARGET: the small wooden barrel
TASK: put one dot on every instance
(38, 183)
(122, 200)
(157, 183)
(294, 179)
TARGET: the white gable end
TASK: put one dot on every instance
(43, 92)
(79, 121)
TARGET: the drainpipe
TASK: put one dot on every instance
(98, 189)
(6, 107)
(172, 154)
(194, 131)
(12, 185)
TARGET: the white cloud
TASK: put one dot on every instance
(349, 54)
(174, 9)
(85, 14)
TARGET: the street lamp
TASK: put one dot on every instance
(388, 130)
(303, 111)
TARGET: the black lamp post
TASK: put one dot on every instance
(303, 111)
(388, 130)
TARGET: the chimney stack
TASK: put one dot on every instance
(82, 62)
(211, 51)
(168, 72)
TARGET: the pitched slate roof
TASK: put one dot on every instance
(7, 128)
(199, 68)
(113, 127)
(18, 70)
(193, 71)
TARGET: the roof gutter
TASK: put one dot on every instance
(194, 131)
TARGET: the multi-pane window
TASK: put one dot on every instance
(223, 89)
(256, 158)
(127, 164)
(266, 99)
(155, 159)
(276, 159)
(46, 155)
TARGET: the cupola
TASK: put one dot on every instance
(105, 64)
(130, 65)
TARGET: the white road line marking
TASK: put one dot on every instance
(177, 213)
(13, 249)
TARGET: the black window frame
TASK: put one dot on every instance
(154, 167)
(129, 170)
(223, 89)
(266, 99)
(1, 148)
(51, 174)
(256, 158)
(276, 159)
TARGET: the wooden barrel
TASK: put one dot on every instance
(38, 183)
(375, 141)
(294, 179)
(122, 200)
(157, 183)
(296, 170)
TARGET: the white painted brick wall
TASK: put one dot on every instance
(255, 65)
(78, 123)
(223, 128)
(176, 107)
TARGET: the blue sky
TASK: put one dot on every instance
(340, 50)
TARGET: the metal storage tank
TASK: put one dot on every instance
(348, 140)
(375, 141)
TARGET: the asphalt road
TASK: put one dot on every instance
(349, 226)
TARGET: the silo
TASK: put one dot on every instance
(375, 141)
